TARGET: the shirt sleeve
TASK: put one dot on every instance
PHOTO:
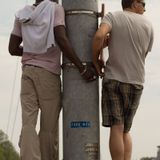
(107, 19)
(59, 16)
(151, 40)
(17, 28)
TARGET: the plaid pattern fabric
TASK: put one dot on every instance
(119, 103)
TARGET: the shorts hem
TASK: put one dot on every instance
(109, 121)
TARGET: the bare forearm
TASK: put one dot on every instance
(69, 53)
(97, 47)
(100, 41)
(14, 48)
(17, 52)
(61, 38)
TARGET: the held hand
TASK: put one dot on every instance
(99, 68)
(89, 74)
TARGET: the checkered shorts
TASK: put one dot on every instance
(119, 103)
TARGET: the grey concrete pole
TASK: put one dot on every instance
(80, 99)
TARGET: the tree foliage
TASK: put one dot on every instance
(7, 151)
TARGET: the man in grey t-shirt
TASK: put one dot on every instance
(130, 39)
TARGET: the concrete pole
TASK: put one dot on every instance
(80, 99)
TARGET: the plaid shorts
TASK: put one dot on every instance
(119, 103)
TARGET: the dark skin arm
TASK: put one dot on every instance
(60, 35)
(66, 48)
(14, 47)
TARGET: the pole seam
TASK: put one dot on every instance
(82, 11)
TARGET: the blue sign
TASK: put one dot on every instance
(80, 124)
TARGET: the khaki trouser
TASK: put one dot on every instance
(40, 90)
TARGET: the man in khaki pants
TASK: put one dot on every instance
(41, 28)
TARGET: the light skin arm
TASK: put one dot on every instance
(98, 45)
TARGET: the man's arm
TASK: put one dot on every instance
(66, 48)
(98, 45)
(14, 47)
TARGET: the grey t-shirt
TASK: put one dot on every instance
(131, 38)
